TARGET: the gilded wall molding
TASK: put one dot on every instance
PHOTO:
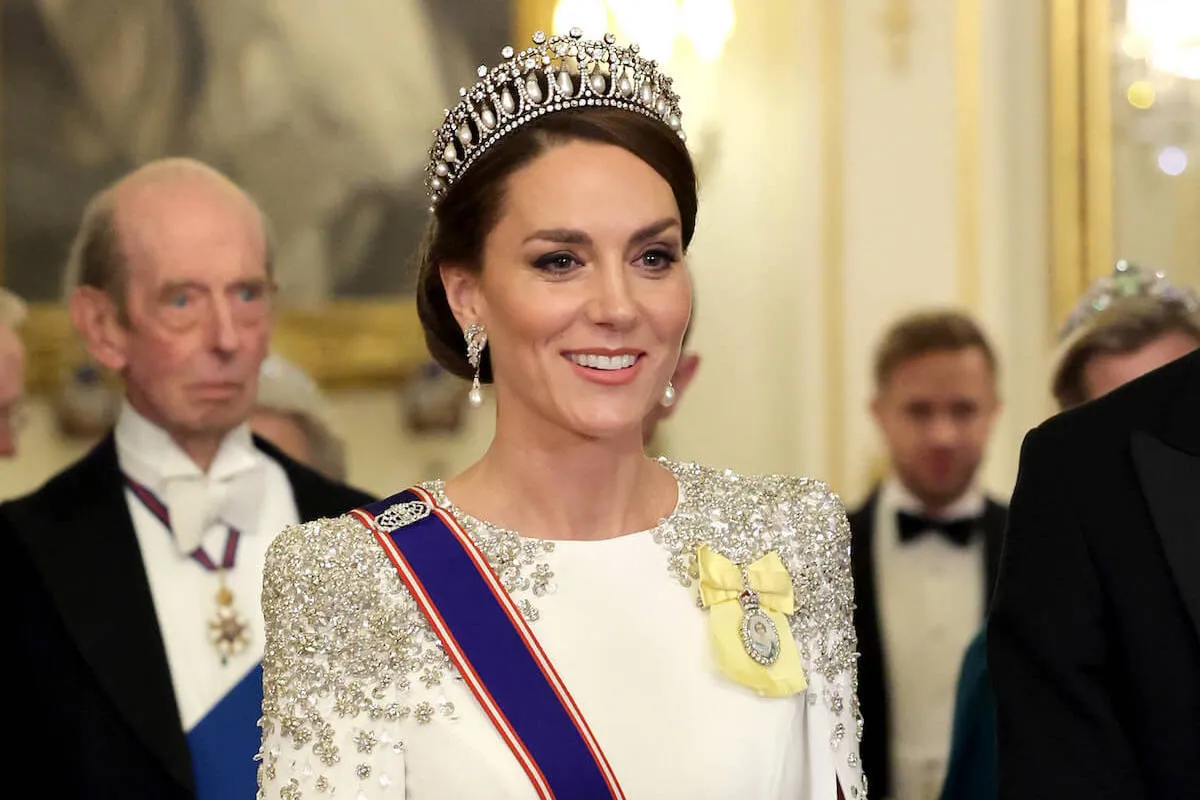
(1081, 182)
(968, 150)
(833, 236)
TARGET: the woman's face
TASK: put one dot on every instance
(584, 292)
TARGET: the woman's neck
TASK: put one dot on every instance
(565, 487)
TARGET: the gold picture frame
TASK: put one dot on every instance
(341, 343)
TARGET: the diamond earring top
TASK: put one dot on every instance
(556, 73)
(476, 337)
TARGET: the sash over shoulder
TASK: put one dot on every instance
(384, 622)
(488, 640)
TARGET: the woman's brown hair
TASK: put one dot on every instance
(465, 216)
(1125, 327)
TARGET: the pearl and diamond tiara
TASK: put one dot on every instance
(1127, 281)
(555, 74)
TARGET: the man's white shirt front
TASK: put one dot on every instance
(930, 598)
(250, 492)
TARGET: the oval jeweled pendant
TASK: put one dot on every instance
(760, 637)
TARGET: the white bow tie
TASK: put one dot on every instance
(195, 503)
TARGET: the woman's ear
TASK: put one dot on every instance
(462, 293)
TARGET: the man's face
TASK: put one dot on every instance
(12, 388)
(936, 412)
(1104, 372)
(198, 306)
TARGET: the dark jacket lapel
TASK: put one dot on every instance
(872, 688)
(92, 551)
(1170, 480)
(995, 520)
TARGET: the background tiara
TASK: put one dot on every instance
(556, 73)
(1128, 281)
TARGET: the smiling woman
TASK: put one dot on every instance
(572, 583)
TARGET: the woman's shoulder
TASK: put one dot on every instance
(317, 570)
(797, 505)
(339, 618)
(802, 520)
(299, 549)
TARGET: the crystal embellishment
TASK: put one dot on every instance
(401, 515)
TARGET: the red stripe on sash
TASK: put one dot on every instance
(528, 637)
(454, 651)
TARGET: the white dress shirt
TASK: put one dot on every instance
(244, 489)
(931, 599)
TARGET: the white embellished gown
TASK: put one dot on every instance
(360, 698)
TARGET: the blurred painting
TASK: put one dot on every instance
(322, 109)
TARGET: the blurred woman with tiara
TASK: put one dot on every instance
(567, 618)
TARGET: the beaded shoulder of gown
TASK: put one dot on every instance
(340, 623)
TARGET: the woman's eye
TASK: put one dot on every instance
(556, 262)
(658, 259)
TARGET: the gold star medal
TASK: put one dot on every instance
(227, 629)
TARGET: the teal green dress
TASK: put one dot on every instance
(971, 773)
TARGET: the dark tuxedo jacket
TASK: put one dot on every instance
(873, 693)
(94, 713)
(1094, 634)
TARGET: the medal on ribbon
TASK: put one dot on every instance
(227, 629)
(747, 606)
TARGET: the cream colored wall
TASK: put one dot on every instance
(767, 390)
(835, 201)
(1156, 217)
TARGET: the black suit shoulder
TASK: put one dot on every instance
(61, 491)
(1091, 651)
(98, 470)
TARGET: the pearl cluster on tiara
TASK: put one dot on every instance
(1127, 281)
(557, 73)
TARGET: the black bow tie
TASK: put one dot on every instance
(958, 531)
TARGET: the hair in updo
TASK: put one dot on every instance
(470, 209)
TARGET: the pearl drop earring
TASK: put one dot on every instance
(476, 338)
(668, 398)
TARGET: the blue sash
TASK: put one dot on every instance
(225, 742)
(490, 643)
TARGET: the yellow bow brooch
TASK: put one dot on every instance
(747, 605)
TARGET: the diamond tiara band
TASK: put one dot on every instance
(1128, 280)
(556, 74)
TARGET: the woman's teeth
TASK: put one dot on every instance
(593, 361)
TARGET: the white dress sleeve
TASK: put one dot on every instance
(824, 629)
(327, 723)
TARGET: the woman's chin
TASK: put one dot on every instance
(607, 425)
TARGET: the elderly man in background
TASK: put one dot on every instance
(138, 569)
